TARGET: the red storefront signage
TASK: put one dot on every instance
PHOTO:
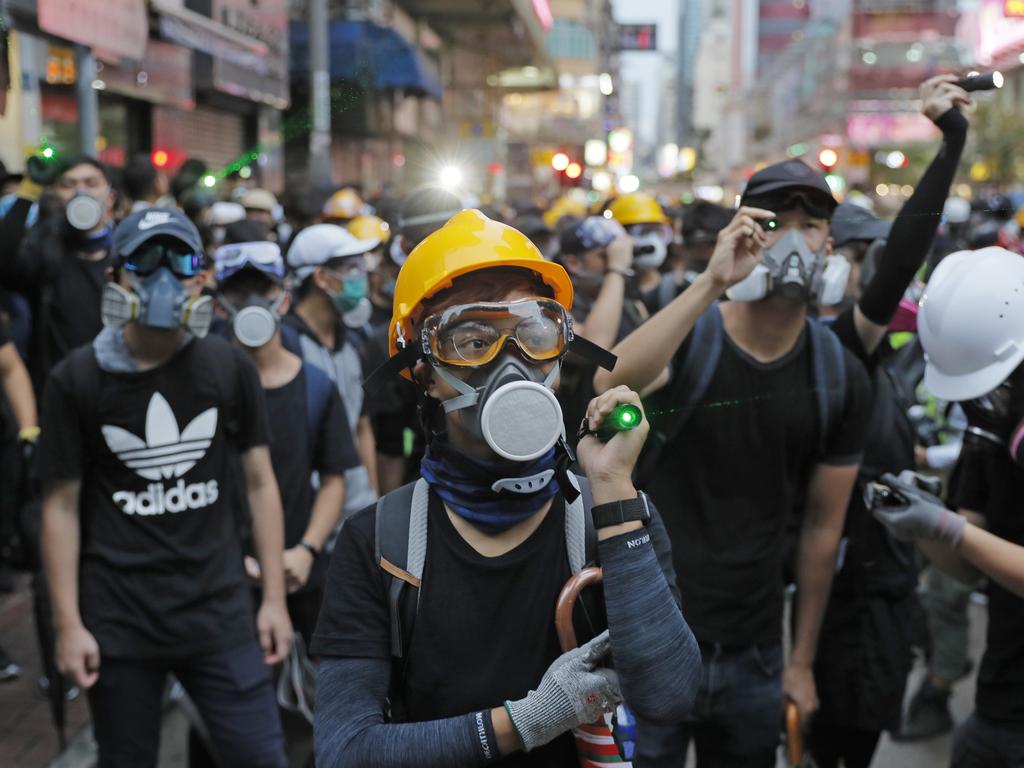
(120, 27)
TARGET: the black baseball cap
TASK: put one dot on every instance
(851, 222)
(147, 224)
(791, 176)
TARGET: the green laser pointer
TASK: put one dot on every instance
(623, 418)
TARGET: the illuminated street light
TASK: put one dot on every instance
(450, 177)
(605, 84)
(602, 181)
(560, 161)
(574, 171)
(828, 157)
(629, 184)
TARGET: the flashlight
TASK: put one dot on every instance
(622, 419)
(976, 82)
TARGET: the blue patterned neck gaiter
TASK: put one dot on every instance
(464, 484)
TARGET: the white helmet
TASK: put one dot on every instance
(971, 322)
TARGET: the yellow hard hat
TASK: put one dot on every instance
(369, 227)
(468, 242)
(343, 204)
(637, 208)
(562, 207)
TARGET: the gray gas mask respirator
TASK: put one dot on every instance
(511, 405)
(158, 300)
(255, 323)
(83, 212)
(790, 270)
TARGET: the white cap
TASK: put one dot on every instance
(223, 213)
(971, 322)
(316, 245)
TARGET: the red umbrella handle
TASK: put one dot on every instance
(567, 599)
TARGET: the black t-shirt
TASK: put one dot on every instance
(993, 485)
(728, 482)
(75, 305)
(484, 629)
(295, 455)
(161, 564)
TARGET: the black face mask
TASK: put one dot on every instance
(996, 419)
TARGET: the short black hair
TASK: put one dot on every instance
(73, 161)
(246, 282)
(703, 220)
(139, 177)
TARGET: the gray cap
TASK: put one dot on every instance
(852, 222)
(144, 225)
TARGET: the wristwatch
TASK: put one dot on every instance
(310, 548)
(622, 511)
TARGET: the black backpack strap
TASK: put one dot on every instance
(318, 395)
(400, 544)
(696, 371)
(829, 365)
(668, 289)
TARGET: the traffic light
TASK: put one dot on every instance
(160, 158)
(828, 158)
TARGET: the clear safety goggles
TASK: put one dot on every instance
(471, 335)
(264, 256)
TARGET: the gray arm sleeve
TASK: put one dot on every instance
(655, 653)
(350, 730)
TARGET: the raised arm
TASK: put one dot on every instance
(656, 655)
(645, 353)
(914, 228)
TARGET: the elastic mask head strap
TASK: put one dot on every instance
(471, 395)
(587, 349)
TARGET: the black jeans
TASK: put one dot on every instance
(981, 743)
(737, 716)
(232, 691)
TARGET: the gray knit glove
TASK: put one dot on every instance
(911, 513)
(574, 691)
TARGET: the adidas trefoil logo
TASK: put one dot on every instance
(166, 453)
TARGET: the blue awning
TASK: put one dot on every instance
(369, 53)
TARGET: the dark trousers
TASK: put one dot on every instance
(835, 744)
(232, 691)
(736, 718)
(981, 743)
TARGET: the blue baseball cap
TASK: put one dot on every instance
(151, 223)
(263, 256)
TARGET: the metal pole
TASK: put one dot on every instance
(88, 99)
(320, 96)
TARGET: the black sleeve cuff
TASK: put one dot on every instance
(486, 738)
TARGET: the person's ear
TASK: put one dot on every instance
(322, 279)
(286, 303)
(423, 375)
(828, 246)
(110, 275)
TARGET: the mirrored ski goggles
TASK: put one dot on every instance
(474, 334)
(177, 257)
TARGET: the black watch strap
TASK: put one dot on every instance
(310, 548)
(622, 511)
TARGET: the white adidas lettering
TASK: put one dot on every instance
(166, 453)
